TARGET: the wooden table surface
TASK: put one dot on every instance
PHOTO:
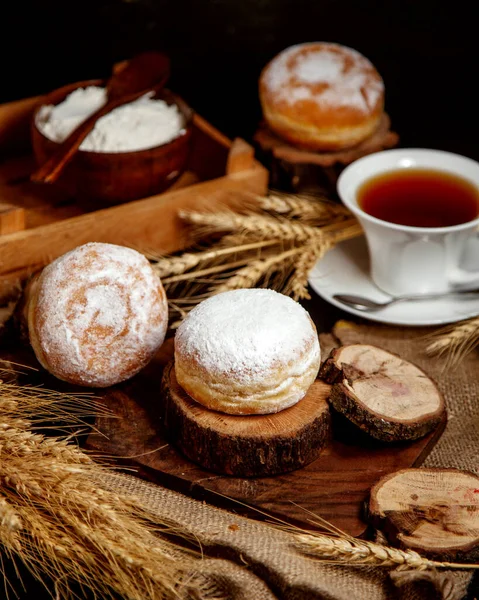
(426, 52)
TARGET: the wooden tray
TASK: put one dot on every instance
(39, 223)
(335, 486)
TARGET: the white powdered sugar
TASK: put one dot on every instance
(139, 125)
(327, 73)
(245, 333)
(101, 314)
(325, 67)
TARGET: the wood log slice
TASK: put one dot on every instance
(432, 511)
(250, 445)
(387, 397)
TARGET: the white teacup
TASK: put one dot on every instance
(415, 260)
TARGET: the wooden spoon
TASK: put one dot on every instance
(145, 72)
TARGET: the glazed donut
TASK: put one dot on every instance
(96, 315)
(248, 351)
(321, 96)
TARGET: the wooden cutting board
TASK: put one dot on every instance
(334, 487)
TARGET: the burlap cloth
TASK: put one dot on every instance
(247, 559)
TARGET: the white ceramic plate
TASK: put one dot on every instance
(345, 270)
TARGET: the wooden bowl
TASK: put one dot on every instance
(116, 177)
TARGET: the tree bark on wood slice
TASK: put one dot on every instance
(251, 445)
(387, 397)
(432, 511)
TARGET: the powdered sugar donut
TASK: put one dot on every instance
(322, 96)
(248, 351)
(97, 315)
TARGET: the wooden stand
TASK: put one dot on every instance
(250, 445)
(302, 170)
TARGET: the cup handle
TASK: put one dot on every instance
(460, 277)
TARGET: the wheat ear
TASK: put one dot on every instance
(246, 277)
(308, 208)
(455, 341)
(268, 227)
(341, 231)
(351, 551)
(250, 275)
(177, 265)
(314, 251)
(259, 226)
(310, 254)
(56, 517)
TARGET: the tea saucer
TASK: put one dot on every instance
(345, 270)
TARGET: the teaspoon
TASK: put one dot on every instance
(368, 305)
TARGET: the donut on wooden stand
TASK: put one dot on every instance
(240, 397)
(321, 96)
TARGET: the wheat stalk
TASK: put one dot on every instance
(10, 524)
(308, 208)
(62, 524)
(336, 547)
(269, 250)
(339, 232)
(260, 226)
(347, 550)
(455, 341)
(232, 240)
(199, 273)
(249, 276)
(304, 242)
(313, 251)
(177, 265)
(265, 227)
(310, 254)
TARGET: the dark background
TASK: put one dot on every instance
(425, 50)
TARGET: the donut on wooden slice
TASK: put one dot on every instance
(387, 397)
(321, 96)
(250, 445)
(432, 511)
(247, 352)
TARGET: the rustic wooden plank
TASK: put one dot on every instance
(42, 204)
(240, 157)
(335, 486)
(209, 152)
(12, 219)
(185, 180)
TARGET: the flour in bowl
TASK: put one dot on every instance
(139, 125)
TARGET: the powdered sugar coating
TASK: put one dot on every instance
(325, 73)
(100, 315)
(244, 334)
